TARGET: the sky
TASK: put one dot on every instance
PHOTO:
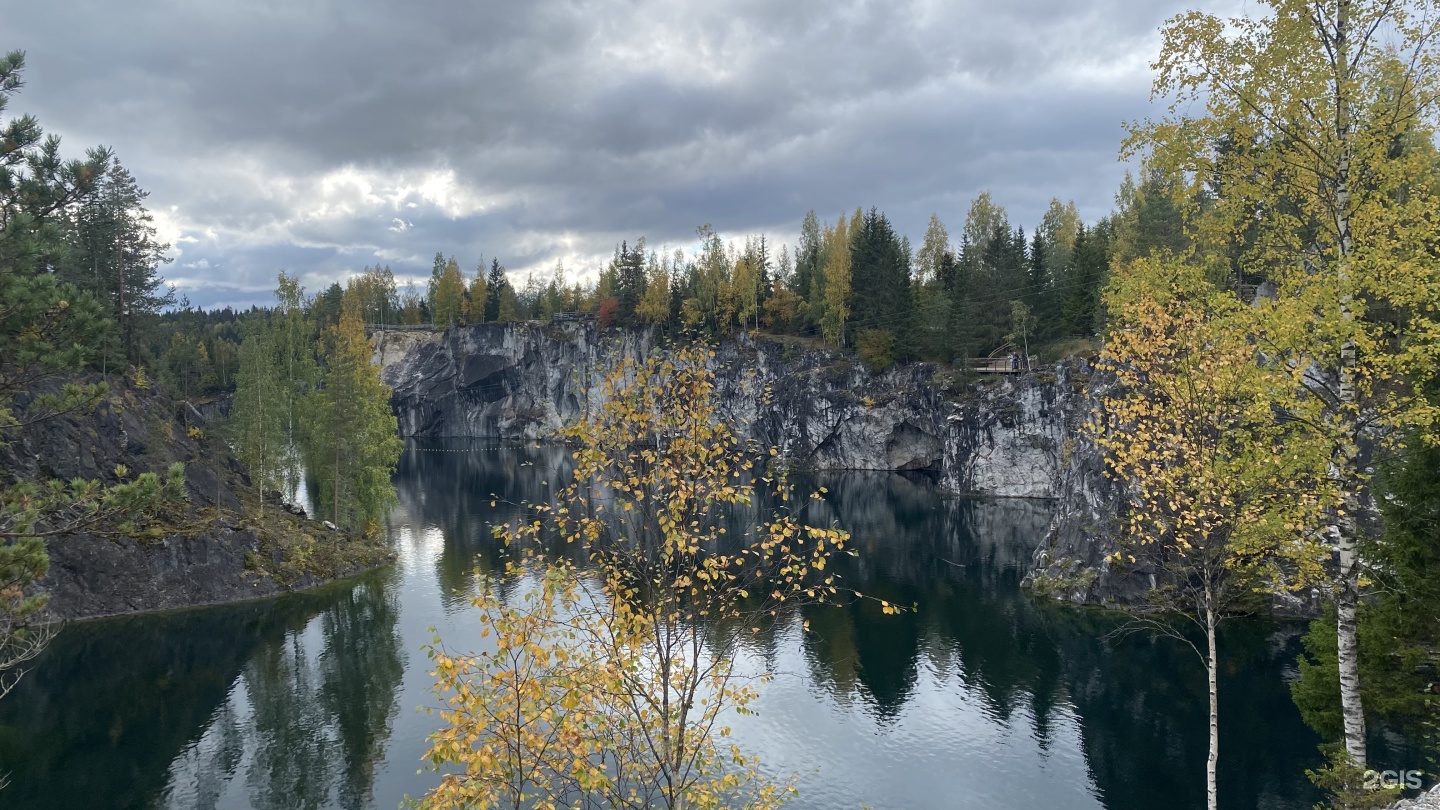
(322, 136)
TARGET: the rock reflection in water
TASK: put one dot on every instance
(1132, 708)
(980, 697)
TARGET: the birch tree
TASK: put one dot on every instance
(836, 275)
(258, 414)
(610, 688)
(1306, 132)
(447, 305)
(1218, 497)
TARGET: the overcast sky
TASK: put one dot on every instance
(320, 136)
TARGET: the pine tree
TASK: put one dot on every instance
(48, 329)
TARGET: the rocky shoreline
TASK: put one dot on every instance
(1002, 436)
(94, 577)
(215, 548)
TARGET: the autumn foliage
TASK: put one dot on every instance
(611, 681)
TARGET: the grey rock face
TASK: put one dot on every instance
(1015, 437)
(1429, 800)
(514, 381)
(145, 431)
(820, 407)
(1072, 563)
(98, 576)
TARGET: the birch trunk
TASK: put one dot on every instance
(1212, 665)
(1347, 460)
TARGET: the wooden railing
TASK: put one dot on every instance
(401, 327)
(1000, 365)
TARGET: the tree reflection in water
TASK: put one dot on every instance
(320, 718)
(1140, 705)
(293, 703)
(293, 696)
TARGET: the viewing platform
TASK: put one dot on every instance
(1000, 365)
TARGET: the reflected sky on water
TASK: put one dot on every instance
(981, 697)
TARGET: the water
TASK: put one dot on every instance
(982, 698)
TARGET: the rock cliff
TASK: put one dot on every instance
(210, 549)
(1000, 437)
(1006, 436)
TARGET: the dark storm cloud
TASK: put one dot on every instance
(320, 136)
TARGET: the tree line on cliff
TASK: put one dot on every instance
(855, 283)
(1266, 288)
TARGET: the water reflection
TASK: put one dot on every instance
(1133, 709)
(320, 714)
(282, 704)
(981, 697)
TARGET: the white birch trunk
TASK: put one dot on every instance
(1212, 666)
(1347, 462)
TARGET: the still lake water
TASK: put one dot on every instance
(982, 698)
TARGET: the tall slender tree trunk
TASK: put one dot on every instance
(1348, 457)
(260, 473)
(335, 482)
(1212, 666)
(120, 293)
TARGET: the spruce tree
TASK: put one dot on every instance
(116, 257)
(964, 305)
(1089, 267)
(628, 266)
(353, 437)
(880, 295)
(1040, 291)
(495, 286)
